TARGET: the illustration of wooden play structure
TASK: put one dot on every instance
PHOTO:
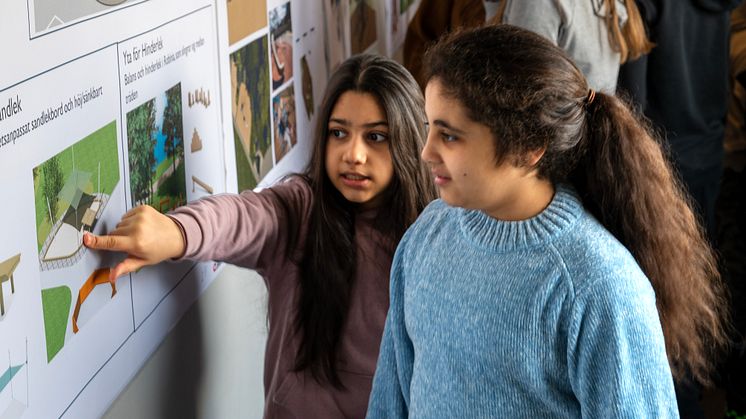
(83, 210)
(199, 96)
(205, 186)
(7, 268)
(98, 277)
(196, 142)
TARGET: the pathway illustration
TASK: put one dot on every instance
(165, 175)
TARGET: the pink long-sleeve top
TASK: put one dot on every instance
(251, 230)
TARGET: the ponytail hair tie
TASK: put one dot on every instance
(591, 97)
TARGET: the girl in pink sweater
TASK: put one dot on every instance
(322, 240)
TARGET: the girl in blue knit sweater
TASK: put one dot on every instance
(562, 273)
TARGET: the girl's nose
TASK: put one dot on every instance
(356, 152)
(429, 155)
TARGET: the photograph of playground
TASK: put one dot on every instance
(155, 139)
(281, 42)
(50, 14)
(362, 25)
(71, 190)
(283, 114)
(250, 110)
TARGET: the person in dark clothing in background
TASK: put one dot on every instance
(682, 86)
(731, 216)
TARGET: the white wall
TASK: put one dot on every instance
(211, 363)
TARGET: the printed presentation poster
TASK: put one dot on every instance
(172, 130)
(106, 105)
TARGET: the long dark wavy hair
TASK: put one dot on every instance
(532, 97)
(328, 263)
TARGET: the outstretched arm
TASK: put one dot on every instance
(145, 235)
(250, 229)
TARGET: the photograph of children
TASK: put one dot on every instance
(281, 43)
(283, 115)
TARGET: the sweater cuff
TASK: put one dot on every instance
(190, 232)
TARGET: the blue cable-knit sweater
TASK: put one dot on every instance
(546, 317)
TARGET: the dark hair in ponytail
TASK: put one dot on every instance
(532, 97)
(328, 262)
(629, 185)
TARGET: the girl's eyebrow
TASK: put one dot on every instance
(346, 123)
(446, 125)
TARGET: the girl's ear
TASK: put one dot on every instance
(533, 156)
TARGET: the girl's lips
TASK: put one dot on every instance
(355, 180)
(441, 180)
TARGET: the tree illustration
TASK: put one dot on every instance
(172, 125)
(52, 185)
(141, 128)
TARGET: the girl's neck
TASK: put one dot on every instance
(524, 202)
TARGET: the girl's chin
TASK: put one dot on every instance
(453, 201)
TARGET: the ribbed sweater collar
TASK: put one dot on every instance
(504, 236)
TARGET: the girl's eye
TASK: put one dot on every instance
(337, 133)
(448, 137)
(377, 137)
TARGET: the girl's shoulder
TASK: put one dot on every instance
(293, 191)
(294, 184)
(594, 257)
(432, 220)
(436, 206)
(435, 211)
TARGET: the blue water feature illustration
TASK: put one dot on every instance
(8, 376)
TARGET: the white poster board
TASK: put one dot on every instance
(76, 160)
(109, 104)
